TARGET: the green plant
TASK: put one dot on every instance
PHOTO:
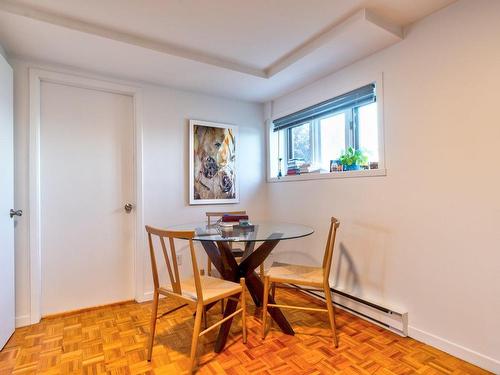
(353, 157)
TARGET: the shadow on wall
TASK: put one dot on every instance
(294, 257)
(363, 255)
(351, 282)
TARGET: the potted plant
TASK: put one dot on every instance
(352, 159)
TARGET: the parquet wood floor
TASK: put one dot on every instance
(113, 340)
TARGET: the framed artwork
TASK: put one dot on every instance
(213, 155)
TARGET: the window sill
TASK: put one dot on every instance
(327, 175)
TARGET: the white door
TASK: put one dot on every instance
(7, 292)
(86, 179)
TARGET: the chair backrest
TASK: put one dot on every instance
(330, 244)
(219, 214)
(171, 262)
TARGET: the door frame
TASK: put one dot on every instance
(36, 77)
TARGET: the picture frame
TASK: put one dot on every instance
(213, 163)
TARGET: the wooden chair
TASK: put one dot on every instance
(316, 277)
(197, 291)
(218, 215)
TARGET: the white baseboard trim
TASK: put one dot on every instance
(146, 296)
(22, 321)
(456, 350)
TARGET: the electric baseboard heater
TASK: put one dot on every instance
(385, 317)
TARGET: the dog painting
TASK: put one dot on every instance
(213, 153)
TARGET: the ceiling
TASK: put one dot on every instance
(252, 50)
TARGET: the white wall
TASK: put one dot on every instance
(426, 236)
(165, 159)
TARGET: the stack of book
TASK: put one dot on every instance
(297, 166)
(305, 168)
(230, 220)
(294, 166)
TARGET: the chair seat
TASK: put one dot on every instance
(213, 288)
(295, 272)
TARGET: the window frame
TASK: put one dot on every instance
(351, 118)
(288, 140)
(351, 133)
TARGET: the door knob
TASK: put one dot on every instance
(128, 207)
(15, 213)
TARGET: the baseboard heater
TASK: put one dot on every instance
(385, 317)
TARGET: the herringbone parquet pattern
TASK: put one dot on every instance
(113, 340)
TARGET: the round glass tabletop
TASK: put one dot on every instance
(255, 232)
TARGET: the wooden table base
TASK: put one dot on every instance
(224, 261)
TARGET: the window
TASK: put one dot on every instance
(300, 142)
(367, 133)
(313, 139)
(332, 137)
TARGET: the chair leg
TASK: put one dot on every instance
(331, 314)
(264, 305)
(152, 328)
(262, 272)
(244, 309)
(209, 267)
(222, 307)
(196, 335)
(204, 317)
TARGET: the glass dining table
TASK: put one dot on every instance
(216, 240)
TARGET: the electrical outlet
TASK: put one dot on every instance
(179, 260)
